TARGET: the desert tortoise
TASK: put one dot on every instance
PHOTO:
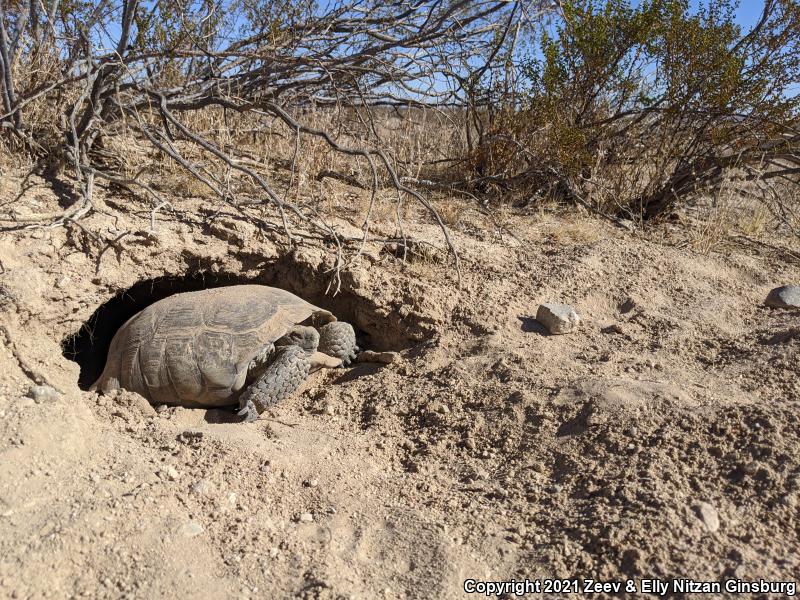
(217, 347)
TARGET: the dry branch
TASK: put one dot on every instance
(171, 64)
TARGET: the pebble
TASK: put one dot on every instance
(311, 483)
(203, 487)
(170, 473)
(306, 517)
(43, 393)
(708, 515)
(558, 318)
(787, 296)
(386, 358)
(192, 529)
(439, 407)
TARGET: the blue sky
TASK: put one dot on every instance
(748, 13)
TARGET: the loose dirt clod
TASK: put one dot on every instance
(385, 358)
(708, 515)
(43, 393)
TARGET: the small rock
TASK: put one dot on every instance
(192, 529)
(311, 483)
(787, 296)
(170, 473)
(43, 393)
(386, 358)
(439, 407)
(306, 517)
(558, 318)
(203, 487)
(136, 402)
(708, 515)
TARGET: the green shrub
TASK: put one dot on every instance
(634, 108)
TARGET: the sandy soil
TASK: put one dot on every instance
(661, 440)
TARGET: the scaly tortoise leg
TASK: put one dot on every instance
(288, 369)
(338, 339)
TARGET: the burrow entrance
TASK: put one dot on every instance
(376, 327)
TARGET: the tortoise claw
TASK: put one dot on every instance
(249, 412)
(348, 360)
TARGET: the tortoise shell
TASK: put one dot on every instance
(194, 348)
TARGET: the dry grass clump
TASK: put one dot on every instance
(761, 212)
(304, 170)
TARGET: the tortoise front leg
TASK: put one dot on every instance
(285, 373)
(338, 339)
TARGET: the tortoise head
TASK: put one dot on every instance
(300, 335)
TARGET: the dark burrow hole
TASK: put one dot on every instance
(89, 345)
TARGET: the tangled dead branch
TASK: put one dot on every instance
(170, 65)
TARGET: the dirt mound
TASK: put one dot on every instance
(487, 451)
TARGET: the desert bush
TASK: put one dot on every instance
(632, 108)
(627, 108)
(210, 86)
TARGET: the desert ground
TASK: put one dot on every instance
(660, 440)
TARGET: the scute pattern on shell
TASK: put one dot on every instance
(193, 348)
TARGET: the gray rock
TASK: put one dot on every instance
(43, 393)
(558, 318)
(203, 487)
(708, 515)
(192, 529)
(170, 473)
(306, 518)
(787, 296)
